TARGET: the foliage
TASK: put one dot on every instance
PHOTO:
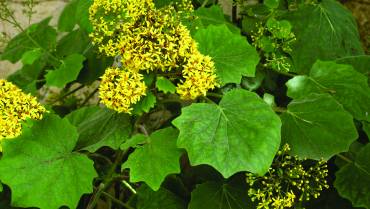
(174, 104)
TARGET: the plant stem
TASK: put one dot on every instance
(107, 181)
(117, 201)
(345, 158)
(124, 182)
(69, 93)
(99, 156)
(90, 96)
(212, 94)
(209, 100)
(279, 109)
(205, 2)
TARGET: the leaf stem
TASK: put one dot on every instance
(107, 181)
(212, 94)
(205, 2)
(117, 201)
(124, 182)
(208, 100)
(345, 158)
(279, 109)
(89, 97)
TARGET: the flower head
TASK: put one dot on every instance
(146, 38)
(199, 75)
(120, 89)
(287, 182)
(15, 107)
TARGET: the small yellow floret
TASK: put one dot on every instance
(199, 75)
(15, 107)
(120, 89)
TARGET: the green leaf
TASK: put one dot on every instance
(360, 63)
(99, 127)
(353, 180)
(67, 19)
(165, 85)
(329, 33)
(134, 142)
(366, 128)
(25, 78)
(214, 16)
(212, 195)
(163, 199)
(41, 168)
(347, 86)
(29, 57)
(82, 15)
(155, 160)
(317, 126)
(242, 133)
(145, 104)
(75, 42)
(272, 4)
(94, 67)
(38, 35)
(67, 71)
(233, 58)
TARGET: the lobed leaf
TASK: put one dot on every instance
(41, 168)
(242, 133)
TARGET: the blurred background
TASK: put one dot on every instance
(31, 11)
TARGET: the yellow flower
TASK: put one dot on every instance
(199, 74)
(288, 181)
(151, 39)
(15, 107)
(109, 17)
(120, 89)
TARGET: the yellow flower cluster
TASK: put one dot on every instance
(15, 107)
(287, 182)
(110, 17)
(149, 39)
(199, 77)
(120, 89)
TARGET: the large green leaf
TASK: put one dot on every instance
(324, 31)
(232, 54)
(347, 86)
(214, 16)
(67, 19)
(100, 127)
(41, 168)
(242, 133)
(38, 35)
(360, 63)
(25, 78)
(212, 195)
(161, 199)
(82, 15)
(29, 57)
(67, 71)
(353, 180)
(75, 42)
(317, 126)
(156, 159)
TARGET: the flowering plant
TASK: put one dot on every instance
(174, 104)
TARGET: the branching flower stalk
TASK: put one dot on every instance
(288, 182)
